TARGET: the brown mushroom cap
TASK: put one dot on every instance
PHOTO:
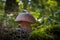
(25, 17)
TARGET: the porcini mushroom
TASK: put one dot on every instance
(25, 19)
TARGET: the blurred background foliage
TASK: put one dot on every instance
(46, 13)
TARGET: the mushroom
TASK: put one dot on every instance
(25, 19)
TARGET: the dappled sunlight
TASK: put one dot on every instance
(41, 23)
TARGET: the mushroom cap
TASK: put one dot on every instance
(25, 17)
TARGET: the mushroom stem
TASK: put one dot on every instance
(26, 25)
